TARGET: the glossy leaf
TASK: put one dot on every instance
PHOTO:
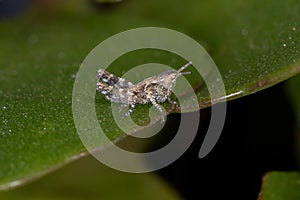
(280, 185)
(251, 43)
(88, 179)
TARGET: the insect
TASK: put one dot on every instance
(156, 89)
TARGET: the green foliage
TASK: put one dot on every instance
(87, 179)
(280, 185)
(251, 42)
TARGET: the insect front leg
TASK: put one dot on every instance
(104, 89)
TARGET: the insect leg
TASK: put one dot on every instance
(131, 108)
(157, 106)
(104, 89)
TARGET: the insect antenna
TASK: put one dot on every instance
(183, 68)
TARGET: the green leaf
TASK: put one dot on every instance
(253, 45)
(87, 179)
(280, 185)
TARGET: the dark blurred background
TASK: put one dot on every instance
(257, 138)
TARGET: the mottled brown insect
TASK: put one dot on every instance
(155, 89)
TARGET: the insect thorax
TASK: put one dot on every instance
(144, 92)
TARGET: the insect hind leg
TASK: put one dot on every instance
(159, 108)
